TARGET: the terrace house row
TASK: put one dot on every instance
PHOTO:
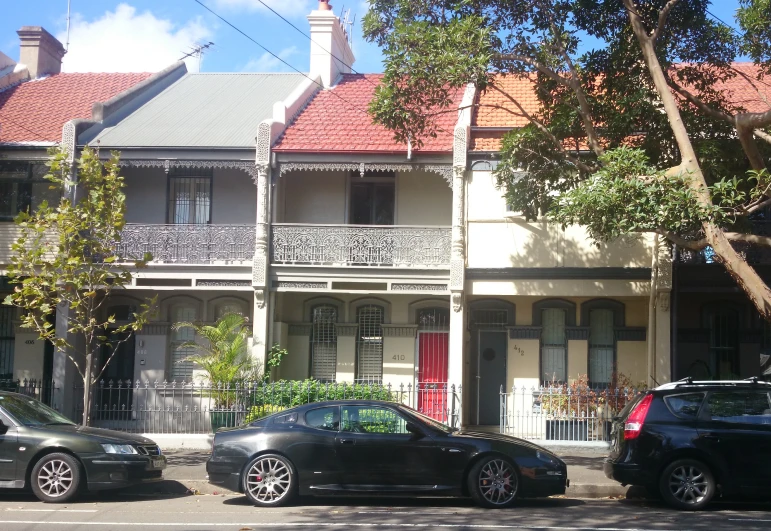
(274, 195)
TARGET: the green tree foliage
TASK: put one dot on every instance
(65, 261)
(632, 132)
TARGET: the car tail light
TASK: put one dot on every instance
(634, 422)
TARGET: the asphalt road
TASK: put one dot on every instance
(21, 512)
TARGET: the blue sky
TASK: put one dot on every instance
(147, 35)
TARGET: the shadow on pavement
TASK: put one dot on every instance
(389, 502)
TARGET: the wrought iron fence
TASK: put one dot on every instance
(562, 413)
(45, 391)
(361, 245)
(185, 407)
(188, 244)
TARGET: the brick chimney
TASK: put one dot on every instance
(41, 53)
(328, 35)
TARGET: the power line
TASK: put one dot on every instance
(350, 104)
(38, 135)
(301, 32)
(277, 57)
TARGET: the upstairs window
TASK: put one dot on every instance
(373, 199)
(23, 188)
(190, 197)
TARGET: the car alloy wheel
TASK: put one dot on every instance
(269, 480)
(687, 484)
(493, 483)
(56, 478)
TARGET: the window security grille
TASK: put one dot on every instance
(601, 347)
(553, 346)
(489, 319)
(7, 341)
(369, 344)
(190, 199)
(434, 319)
(324, 343)
(182, 370)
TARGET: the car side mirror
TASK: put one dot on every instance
(414, 430)
(3, 428)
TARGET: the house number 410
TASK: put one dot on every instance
(399, 357)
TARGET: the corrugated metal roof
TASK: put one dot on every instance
(203, 110)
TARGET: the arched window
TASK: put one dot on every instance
(602, 317)
(182, 370)
(324, 342)
(229, 306)
(554, 316)
(369, 344)
(602, 347)
(433, 318)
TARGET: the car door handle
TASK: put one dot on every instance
(452, 450)
(712, 437)
(347, 441)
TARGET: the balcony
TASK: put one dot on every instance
(361, 245)
(189, 244)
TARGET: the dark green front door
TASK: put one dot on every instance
(492, 375)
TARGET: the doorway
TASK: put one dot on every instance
(433, 365)
(114, 393)
(491, 369)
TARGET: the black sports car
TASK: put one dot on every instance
(355, 446)
(59, 459)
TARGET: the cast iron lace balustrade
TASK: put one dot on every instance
(188, 244)
(361, 245)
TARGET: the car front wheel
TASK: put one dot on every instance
(493, 482)
(270, 481)
(56, 478)
(687, 484)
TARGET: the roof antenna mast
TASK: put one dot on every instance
(67, 46)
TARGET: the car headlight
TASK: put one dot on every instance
(119, 449)
(546, 458)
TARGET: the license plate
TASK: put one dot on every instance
(157, 463)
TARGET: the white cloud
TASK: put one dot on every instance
(268, 63)
(285, 7)
(126, 41)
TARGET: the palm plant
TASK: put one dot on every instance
(221, 351)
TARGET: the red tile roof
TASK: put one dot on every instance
(335, 121)
(497, 110)
(36, 111)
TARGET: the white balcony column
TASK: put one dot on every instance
(457, 276)
(260, 265)
(68, 395)
(661, 366)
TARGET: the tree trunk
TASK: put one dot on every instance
(744, 275)
(87, 390)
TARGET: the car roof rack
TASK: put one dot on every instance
(690, 382)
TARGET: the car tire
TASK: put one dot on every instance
(687, 484)
(270, 480)
(493, 482)
(56, 478)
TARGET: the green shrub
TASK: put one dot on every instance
(290, 393)
(261, 411)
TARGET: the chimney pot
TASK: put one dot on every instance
(324, 5)
(41, 53)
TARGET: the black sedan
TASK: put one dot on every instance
(368, 447)
(60, 458)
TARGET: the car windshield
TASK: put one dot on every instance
(428, 420)
(31, 412)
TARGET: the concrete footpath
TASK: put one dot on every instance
(186, 473)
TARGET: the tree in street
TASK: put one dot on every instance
(635, 130)
(65, 261)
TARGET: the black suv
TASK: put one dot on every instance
(690, 441)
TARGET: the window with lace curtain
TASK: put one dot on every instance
(190, 197)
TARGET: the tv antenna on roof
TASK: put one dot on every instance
(347, 23)
(67, 46)
(197, 50)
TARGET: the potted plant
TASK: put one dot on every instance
(222, 354)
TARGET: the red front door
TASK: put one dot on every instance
(433, 357)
